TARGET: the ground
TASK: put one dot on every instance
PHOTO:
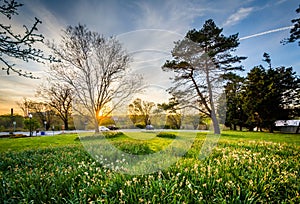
(244, 167)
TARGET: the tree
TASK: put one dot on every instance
(59, 97)
(268, 93)
(40, 110)
(19, 46)
(139, 112)
(295, 31)
(234, 112)
(200, 61)
(96, 68)
(172, 113)
(24, 105)
(253, 94)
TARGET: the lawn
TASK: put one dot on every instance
(243, 168)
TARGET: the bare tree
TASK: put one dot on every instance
(24, 105)
(59, 97)
(19, 46)
(97, 69)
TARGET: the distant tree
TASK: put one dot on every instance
(200, 61)
(234, 112)
(17, 45)
(253, 96)
(25, 106)
(44, 112)
(39, 110)
(59, 97)
(96, 68)
(140, 111)
(267, 94)
(295, 31)
(173, 114)
(31, 124)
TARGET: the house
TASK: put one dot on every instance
(288, 126)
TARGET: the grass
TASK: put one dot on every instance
(243, 168)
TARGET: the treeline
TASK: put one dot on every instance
(265, 95)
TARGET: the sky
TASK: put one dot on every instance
(147, 30)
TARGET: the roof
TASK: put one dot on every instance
(280, 123)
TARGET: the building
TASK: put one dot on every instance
(288, 126)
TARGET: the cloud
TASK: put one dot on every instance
(241, 14)
(169, 15)
(266, 32)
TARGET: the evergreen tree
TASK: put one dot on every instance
(268, 93)
(200, 61)
(295, 31)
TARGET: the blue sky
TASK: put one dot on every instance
(147, 29)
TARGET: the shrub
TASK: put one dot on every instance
(166, 135)
(138, 148)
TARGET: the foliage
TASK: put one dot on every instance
(166, 135)
(240, 170)
(140, 111)
(267, 93)
(173, 115)
(6, 121)
(233, 90)
(200, 61)
(32, 124)
(295, 31)
(19, 45)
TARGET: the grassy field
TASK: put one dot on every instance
(243, 168)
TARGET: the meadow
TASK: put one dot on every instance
(244, 167)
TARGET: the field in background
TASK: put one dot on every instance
(245, 167)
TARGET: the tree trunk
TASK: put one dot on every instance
(234, 127)
(213, 116)
(215, 121)
(96, 126)
(66, 124)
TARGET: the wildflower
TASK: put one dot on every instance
(121, 193)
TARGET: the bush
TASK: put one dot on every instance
(166, 135)
(102, 135)
(138, 148)
(140, 125)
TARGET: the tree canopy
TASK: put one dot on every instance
(295, 31)
(200, 62)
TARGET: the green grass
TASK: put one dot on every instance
(243, 168)
(34, 143)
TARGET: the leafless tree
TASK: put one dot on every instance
(19, 45)
(97, 69)
(59, 97)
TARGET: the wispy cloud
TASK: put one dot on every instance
(238, 16)
(266, 32)
(169, 15)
